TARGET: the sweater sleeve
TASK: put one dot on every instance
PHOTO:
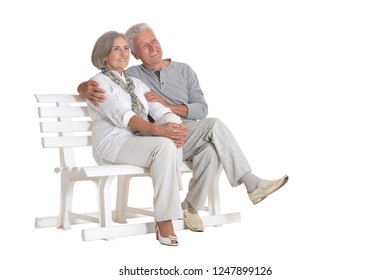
(197, 106)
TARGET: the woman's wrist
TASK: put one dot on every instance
(156, 130)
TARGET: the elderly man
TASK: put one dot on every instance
(209, 142)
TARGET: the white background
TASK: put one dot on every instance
(302, 85)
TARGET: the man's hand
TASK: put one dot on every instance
(155, 97)
(91, 91)
(180, 110)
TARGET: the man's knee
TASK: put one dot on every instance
(213, 123)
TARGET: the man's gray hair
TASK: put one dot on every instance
(103, 47)
(133, 31)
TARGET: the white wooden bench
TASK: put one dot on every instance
(65, 125)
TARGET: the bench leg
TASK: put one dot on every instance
(214, 204)
(104, 200)
(66, 200)
(122, 198)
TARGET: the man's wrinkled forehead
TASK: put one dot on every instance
(145, 37)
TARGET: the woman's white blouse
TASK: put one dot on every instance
(112, 116)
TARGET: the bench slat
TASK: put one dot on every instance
(68, 126)
(54, 98)
(62, 112)
(66, 141)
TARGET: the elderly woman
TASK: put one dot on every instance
(122, 133)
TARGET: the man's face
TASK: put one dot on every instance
(147, 49)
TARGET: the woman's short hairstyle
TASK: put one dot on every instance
(133, 31)
(103, 47)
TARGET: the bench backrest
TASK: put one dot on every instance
(64, 124)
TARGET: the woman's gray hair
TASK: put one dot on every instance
(133, 31)
(103, 47)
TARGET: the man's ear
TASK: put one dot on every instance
(135, 55)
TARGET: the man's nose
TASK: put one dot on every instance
(151, 47)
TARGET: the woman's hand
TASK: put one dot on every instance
(177, 132)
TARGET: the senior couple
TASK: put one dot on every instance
(154, 115)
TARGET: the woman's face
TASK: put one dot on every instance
(118, 58)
